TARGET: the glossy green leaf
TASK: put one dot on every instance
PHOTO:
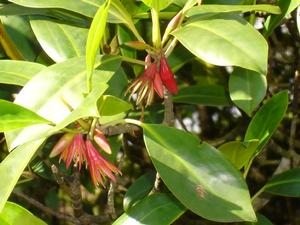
(3, 222)
(13, 116)
(111, 105)
(158, 4)
(15, 214)
(179, 57)
(247, 89)
(139, 189)
(19, 30)
(60, 88)
(286, 6)
(232, 8)
(261, 220)
(60, 41)
(18, 72)
(12, 167)
(123, 37)
(239, 153)
(267, 119)
(156, 209)
(95, 35)
(84, 7)
(285, 184)
(210, 95)
(226, 40)
(198, 175)
(18, 10)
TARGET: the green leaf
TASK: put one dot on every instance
(88, 107)
(15, 214)
(158, 4)
(13, 116)
(226, 40)
(12, 167)
(179, 57)
(95, 35)
(139, 190)
(19, 30)
(198, 175)
(247, 89)
(298, 19)
(18, 72)
(267, 119)
(111, 105)
(285, 184)
(18, 10)
(156, 209)
(286, 6)
(228, 2)
(84, 7)
(125, 36)
(232, 8)
(55, 91)
(60, 41)
(239, 153)
(210, 95)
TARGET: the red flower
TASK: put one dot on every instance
(153, 79)
(167, 76)
(99, 167)
(71, 147)
(145, 85)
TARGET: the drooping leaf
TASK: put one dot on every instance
(156, 209)
(227, 2)
(206, 8)
(55, 91)
(247, 89)
(226, 40)
(210, 95)
(12, 167)
(285, 184)
(267, 119)
(95, 35)
(139, 190)
(198, 175)
(239, 153)
(13, 116)
(60, 41)
(15, 214)
(286, 6)
(18, 72)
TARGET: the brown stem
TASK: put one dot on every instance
(46, 209)
(111, 200)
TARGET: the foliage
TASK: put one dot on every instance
(93, 83)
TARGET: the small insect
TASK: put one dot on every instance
(200, 190)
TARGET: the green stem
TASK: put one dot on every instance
(92, 128)
(257, 194)
(247, 168)
(156, 38)
(131, 60)
(252, 15)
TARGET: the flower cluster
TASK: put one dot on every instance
(73, 147)
(155, 77)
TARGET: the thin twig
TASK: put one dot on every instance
(75, 193)
(46, 209)
(111, 200)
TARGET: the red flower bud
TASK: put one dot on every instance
(158, 85)
(167, 76)
(62, 144)
(101, 141)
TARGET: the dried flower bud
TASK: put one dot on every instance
(138, 45)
